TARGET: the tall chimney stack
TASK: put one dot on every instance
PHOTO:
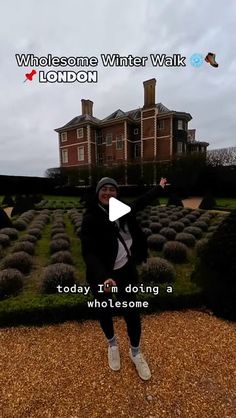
(149, 92)
(87, 107)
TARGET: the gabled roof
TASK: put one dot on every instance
(79, 119)
(134, 114)
(115, 115)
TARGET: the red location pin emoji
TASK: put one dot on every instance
(29, 76)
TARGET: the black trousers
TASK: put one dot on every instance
(123, 276)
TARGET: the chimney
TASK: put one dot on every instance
(149, 92)
(87, 107)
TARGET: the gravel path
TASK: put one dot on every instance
(192, 202)
(8, 211)
(62, 371)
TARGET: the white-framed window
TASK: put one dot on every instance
(64, 156)
(63, 136)
(137, 150)
(109, 139)
(80, 133)
(80, 151)
(136, 131)
(180, 125)
(203, 149)
(161, 124)
(179, 147)
(119, 142)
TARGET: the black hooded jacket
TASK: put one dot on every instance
(99, 239)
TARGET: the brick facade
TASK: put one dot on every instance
(150, 133)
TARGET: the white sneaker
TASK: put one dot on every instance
(141, 365)
(114, 357)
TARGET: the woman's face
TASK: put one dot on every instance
(105, 193)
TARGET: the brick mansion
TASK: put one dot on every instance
(147, 134)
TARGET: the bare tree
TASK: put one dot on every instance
(222, 156)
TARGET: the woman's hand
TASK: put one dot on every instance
(163, 183)
(109, 282)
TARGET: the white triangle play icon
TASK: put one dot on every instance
(117, 209)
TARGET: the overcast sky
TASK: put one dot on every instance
(30, 111)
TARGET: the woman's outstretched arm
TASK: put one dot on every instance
(149, 196)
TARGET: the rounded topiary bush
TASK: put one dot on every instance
(185, 221)
(193, 230)
(204, 218)
(200, 224)
(175, 251)
(58, 245)
(173, 218)
(27, 237)
(154, 218)
(4, 240)
(25, 218)
(196, 213)
(58, 225)
(163, 215)
(185, 211)
(157, 270)
(77, 224)
(44, 218)
(168, 233)
(57, 231)
(144, 224)
(177, 226)
(37, 225)
(20, 261)
(164, 222)
(26, 246)
(185, 238)
(156, 241)
(147, 231)
(11, 282)
(201, 246)
(62, 257)
(215, 270)
(57, 274)
(155, 226)
(77, 220)
(11, 232)
(35, 232)
(191, 217)
(61, 236)
(20, 224)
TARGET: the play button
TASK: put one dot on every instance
(117, 209)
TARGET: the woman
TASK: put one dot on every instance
(111, 251)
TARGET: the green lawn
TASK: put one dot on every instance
(226, 203)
